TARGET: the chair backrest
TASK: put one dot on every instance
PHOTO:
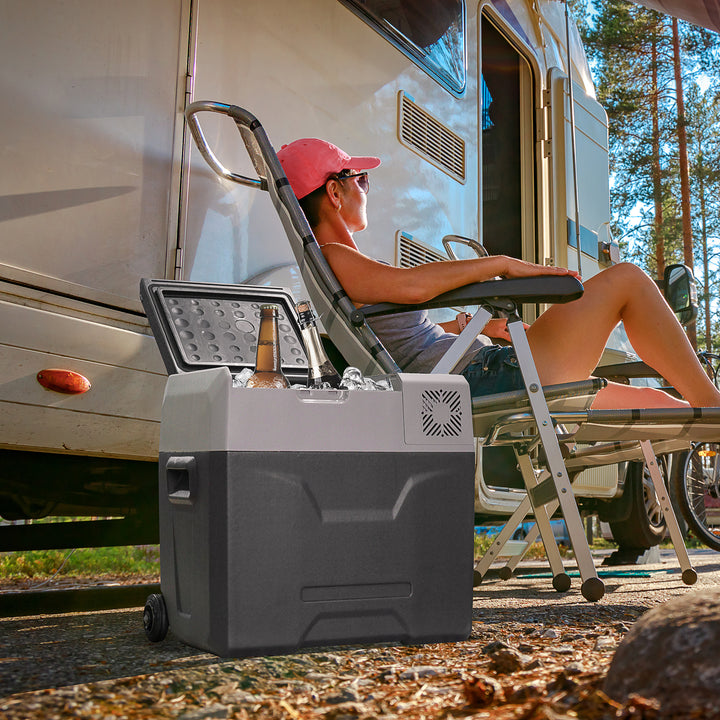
(356, 342)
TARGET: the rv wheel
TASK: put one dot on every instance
(644, 526)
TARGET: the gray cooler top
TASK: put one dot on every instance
(426, 413)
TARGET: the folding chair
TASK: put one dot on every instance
(534, 421)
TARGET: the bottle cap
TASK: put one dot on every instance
(268, 309)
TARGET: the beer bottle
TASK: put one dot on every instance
(268, 373)
(320, 369)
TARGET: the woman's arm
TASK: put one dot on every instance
(367, 281)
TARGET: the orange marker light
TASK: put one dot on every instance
(63, 381)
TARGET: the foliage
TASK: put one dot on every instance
(85, 562)
(630, 50)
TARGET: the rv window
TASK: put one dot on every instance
(429, 32)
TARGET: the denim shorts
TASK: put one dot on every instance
(493, 369)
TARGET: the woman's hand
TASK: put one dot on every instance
(516, 268)
(497, 329)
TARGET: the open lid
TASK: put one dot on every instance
(204, 325)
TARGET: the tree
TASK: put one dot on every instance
(633, 72)
(703, 119)
(664, 189)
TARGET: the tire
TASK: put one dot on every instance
(155, 618)
(644, 527)
(696, 485)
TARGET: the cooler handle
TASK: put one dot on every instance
(181, 477)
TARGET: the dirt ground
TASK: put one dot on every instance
(533, 653)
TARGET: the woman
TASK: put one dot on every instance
(567, 340)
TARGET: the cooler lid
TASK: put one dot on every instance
(205, 325)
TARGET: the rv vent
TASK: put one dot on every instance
(428, 137)
(441, 413)
(411, 253)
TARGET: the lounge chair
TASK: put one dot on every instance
(542, 425)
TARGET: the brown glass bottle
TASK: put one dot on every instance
(320, 369)
(268, 373)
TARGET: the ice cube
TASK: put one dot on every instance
(350, 384)
(353, 374)
(370, 384)
(240, 379)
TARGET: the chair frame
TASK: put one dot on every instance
(523, 419)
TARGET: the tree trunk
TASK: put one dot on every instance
(656, 174)
(684, 167)
(706, 260)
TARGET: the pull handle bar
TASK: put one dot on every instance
(245, 123)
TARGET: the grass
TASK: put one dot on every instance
(145, 559)
(83, 562)
(535, 552)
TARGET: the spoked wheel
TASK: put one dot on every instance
(697, 487)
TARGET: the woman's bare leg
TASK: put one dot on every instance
(568, 340)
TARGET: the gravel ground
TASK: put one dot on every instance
(533, 653)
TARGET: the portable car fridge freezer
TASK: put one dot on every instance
(296, 518)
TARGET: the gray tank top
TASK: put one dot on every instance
(417, 344)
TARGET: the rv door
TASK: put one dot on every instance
(591, 172)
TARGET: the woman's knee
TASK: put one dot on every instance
(627, 272)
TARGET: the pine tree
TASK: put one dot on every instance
(663, 191)
(703, 119)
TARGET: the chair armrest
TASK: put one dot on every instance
(542, 288)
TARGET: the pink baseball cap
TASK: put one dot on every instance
(309, 162)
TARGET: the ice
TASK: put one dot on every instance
(353, 379)
(240, 379)
(370, 384)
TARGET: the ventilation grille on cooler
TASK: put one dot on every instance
(427, 136)
(441, 413)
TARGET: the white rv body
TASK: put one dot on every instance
(101, 186)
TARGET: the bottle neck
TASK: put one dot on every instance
(313, 347)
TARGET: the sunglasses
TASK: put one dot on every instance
(363, 180)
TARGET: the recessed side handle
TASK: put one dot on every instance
(181, 478)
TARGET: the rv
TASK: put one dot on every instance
(484, 116)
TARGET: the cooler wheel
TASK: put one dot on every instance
(155, 618)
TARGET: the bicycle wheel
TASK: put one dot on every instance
(697, 486)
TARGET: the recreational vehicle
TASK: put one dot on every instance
(483, 113)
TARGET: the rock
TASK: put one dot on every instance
(346, 695)
(530, 691)
(507, 660)
(494, 646)
(604, 643)
(347, 711)
(483, 691)
(668, 655)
